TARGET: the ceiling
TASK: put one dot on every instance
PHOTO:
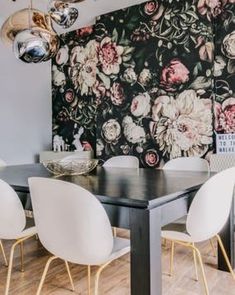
(88, 9)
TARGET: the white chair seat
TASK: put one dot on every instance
(176, 236)
(120, 247)
(27, 232)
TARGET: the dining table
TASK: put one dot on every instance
(141, 200)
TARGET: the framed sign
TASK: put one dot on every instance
(225, 143)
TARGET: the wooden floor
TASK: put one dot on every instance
(115, 278)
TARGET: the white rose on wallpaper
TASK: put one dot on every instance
(83, 67)
(77, 55)
(110, 56)
(228, 45)
(62, 55)
(184, 127)
(130, 76)
(140, 106)
(219, 65)
(157, 106)
(111, 131)
(144, 77)
(58, 77)
(132, 132)
(99, 147)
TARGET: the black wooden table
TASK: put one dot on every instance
(141, 200)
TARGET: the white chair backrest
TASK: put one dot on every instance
(12, 216)
(70, 221)
(187, 164)
(211, 206)
(219, 162)
(2, 163)
(122, 162)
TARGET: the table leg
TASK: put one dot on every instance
(146, 272)
(227, 236)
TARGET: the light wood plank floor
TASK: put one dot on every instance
(115, 278)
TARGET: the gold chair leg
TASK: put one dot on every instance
(225, 256)
(22, 256)
(172, 257)
(45, 273)
(69, 273)
(97, 276)
(89, 279)
(197, 252)
(114, 231)
(3, 253)
(164, 243)
(195, 262)
(213, 247)
(11, 262)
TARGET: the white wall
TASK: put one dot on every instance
(25, 109)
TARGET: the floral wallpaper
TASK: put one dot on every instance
(142, 81)
(224, 70)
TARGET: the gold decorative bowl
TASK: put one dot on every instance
(70, 166)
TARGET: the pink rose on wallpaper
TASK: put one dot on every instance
(211, 8)
(117, 94)
(110, 56)
(151, 158)
(85, 31)
(86, 146)
(99, 90)
(69, 95)
(151, 7)
(174, 74)
(225, 116)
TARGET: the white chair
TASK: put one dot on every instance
(12, 225)
(207, 215)
(122, 162)
(187, 164)
(73, 225)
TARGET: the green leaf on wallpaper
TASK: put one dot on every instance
(195, 71)
(127, 57)
(115, 35)
(105, 80)
(183, 16)
(128, 50)
(192, 13)
(129, 64)
(124, 41)
(166, 32)
(201, 82)
(193, 39)
(167, 16)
